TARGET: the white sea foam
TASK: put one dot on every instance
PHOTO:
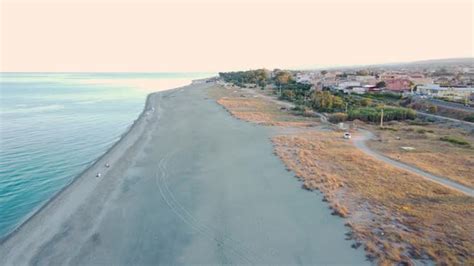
(143, 84)
(88, 102)
(35, 109)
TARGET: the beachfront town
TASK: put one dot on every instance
(452, 84)
(441, 91)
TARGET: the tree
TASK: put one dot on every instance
(362, 72)
(433, 109)
(288, 95)
(325, 101)
(381, 84)
(337, 102)
(261, 77)
(283, 77)
(366, 102)
(338, 117)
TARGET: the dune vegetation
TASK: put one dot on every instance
(395, 215)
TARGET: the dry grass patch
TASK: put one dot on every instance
(248, 107)
(431, 153)
(397, 215)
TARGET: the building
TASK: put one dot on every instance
(419, 79)
(328, 83)
(372, 88)
(359, 90)
(366, 80)
(428, 89)
(397, 84)
(392, 75)
(455, 93)
(305, 77)
(347, 84)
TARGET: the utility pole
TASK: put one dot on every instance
(381, 118)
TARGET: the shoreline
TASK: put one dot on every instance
(165, 198)
(94, 164)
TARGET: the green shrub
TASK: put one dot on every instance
(469, 118)
(366, 102)
(388, 128)
(388, 96)
(455, 140)
(337, 117)
(299, 108)
(302, 110)
(372, 114)
(423, 131)
(287, 95)
(433, 109)
(418, 123)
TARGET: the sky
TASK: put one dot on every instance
(213, 35)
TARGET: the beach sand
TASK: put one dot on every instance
(188, 184)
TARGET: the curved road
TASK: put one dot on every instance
(359, 142)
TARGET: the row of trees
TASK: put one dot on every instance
(281, 79)
(259, 77)
(373, 114)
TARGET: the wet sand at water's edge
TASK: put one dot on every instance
(187, 184)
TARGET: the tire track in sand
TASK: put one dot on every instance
(232, 245)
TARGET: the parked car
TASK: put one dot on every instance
(347, 135)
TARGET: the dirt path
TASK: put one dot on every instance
(359, 142)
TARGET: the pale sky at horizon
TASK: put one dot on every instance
(211, 35)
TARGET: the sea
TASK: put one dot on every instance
(54, 125)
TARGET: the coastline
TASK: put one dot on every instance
(94, 164)
(174, 194)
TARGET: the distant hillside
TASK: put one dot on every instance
(449, 61)
(434, 63)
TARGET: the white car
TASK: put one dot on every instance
(347, 135)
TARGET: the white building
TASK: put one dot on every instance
(435, 90)
(359, 90)
(420, 79)
(347, 84)
(367, 80)
(305, 77)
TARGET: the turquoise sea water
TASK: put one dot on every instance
(53, 126)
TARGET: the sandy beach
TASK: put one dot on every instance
(188, 183)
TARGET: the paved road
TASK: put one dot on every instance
(446, 118)
(451, 105)
(359, 142)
